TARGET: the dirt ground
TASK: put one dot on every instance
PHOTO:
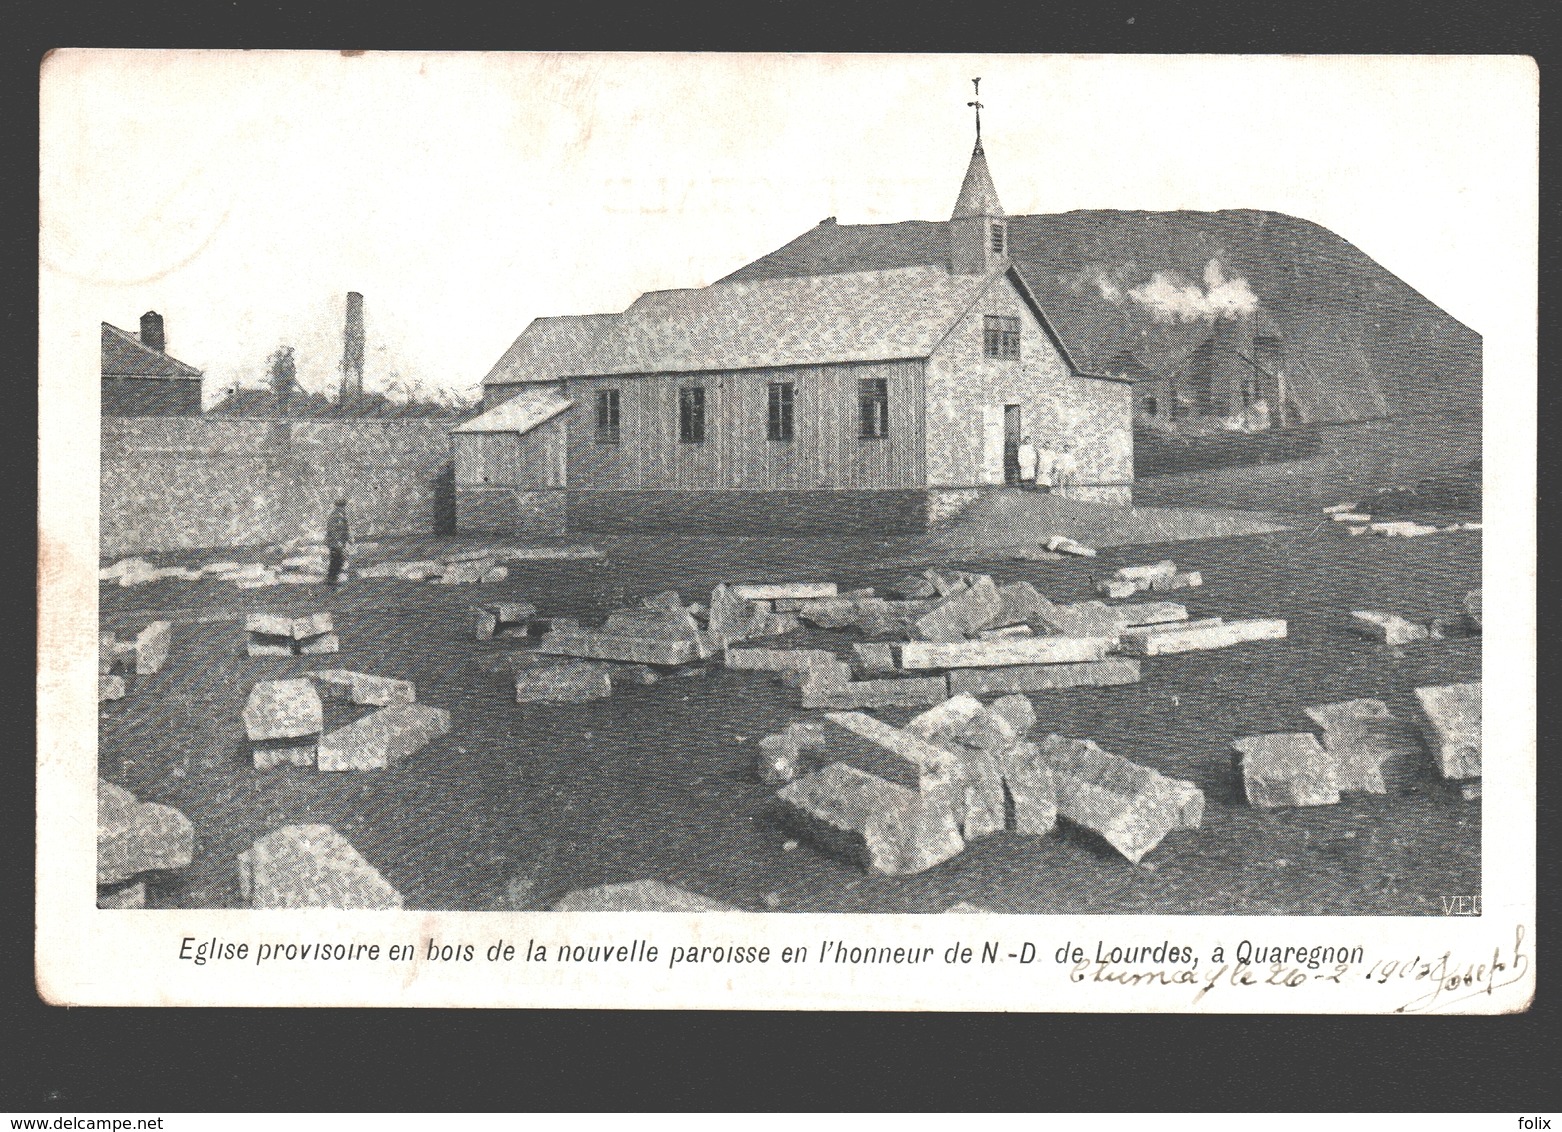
(522, 803)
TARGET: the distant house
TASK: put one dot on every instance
(864, 396)
(141, 380)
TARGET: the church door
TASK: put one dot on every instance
(1011, 444)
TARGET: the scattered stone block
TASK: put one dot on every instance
(914, 587)
(1130, 806)
(858, 694)
(1472, 611)
(382, 739)
(884, 828)
(1043, 677)
(877, 617)
(311, 625)
(830, 613)
(111, 688)
(668, 601)
(283, 709)
(940, 722)
(1015, 710)
(1027, 775)
(269, 625)
(270, 754)
(311, 866)
(1470, 790)
(255, 583)
(1362, 735)
(891, 753)
(830, 673)
(640, 896)
(1220, 636)
(494, 574)
(139, 837)
(364, 688)
(261, 644)
(1389, 628)
(1350, 517)
(567, 683)
(961, 614)
(990, 654)
(1006, 633)
(609, 646)
(1287, 770)
(947, 583)
(484, 623)
(151, 647)
(123, 897)
(1190, 579)
(775, 660)
(874, 659)
(1450, 721)
(980, 804)
(1019, 604)
(1060, 544)
(730, 618)
(301, 579)
(1082, 619)
(461, 573)
(1146, 574)
(1150, 613)
(1341, 508)
(775, 591)
(1137, 633)
(1118, 587)
(319, 646)
(1402, 528)
(965, 907)
(779, 760)
(108, 653)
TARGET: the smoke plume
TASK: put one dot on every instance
(1167, 295)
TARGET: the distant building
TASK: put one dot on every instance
(861, 396)
(141, 380)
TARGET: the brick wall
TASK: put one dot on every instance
(179, 483)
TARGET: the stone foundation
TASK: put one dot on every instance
(805, 513)
(509, 511)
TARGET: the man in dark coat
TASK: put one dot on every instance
(336, 538)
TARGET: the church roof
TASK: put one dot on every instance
(977, 195)
(125, 356)
(816, 319)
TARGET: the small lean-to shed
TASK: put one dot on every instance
(510, 468)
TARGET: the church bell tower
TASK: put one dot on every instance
(978, 230)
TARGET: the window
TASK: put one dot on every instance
(778, 418)
(1001, 336)
(1151, 405)
(872, 408)
(999, 237)
(607, 416)
(691, 415)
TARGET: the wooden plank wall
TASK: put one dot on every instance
(825, 451)
(505, 459)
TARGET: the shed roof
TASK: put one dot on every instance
(125, 355)
(859, 316)
(521, 413)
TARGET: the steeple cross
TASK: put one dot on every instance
(976, 85)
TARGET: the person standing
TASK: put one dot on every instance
(1025, 460)
(1046, 458)
(1067, 470)
(337, 536)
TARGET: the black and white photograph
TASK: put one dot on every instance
(951, 532)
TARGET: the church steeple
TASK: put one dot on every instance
(978, 232)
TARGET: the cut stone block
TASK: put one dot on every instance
(778, 624)
(1008, 632)
(111, 688)
(1163, 569)
(1118, 587)
(1027, 775)
(820, 674)
(260, 644)
(980, 802)
(1132, 807)
(494, 574)
(1390, 628)
(1138, 633)
(640, 896)
(313, 563)
(567, 683)
(914, 587)
(779, 761)
(1341, 508)
(515, 612)
(1015, 710)
(269, 624)
(874, 660)
(1361, 735)
(1209, 637)
(462, 573)
(795, 590)
(1472, 610)
(943, 720)
(272, 753)
(322, 645)
(1060, 544)
(1019, 603)
(947, 583)
(126, 896)
(1450, 721)
(1287, 770)
(1351, 517)
(989, 654)
(875, 693)
(382, 739)
(1081, 619)
(301, 579)
(893, 754)
(311, 866)
(139, 837)
(776, 660)
(283, 709)
(962, 614)
(108, 653)
(830, 613)
(484, 623)
(1402, 529)
(152, 647)
(1043, 677)
(658, 625)
(877, 617)
(965, 907)
(1150, 613)
(606, 646)
(883, 828)
(364, 688)
(1188, 580)
(730, 618)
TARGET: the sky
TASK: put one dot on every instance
(242, 194)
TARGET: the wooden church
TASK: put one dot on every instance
(844, 394)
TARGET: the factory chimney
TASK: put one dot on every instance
(352, 349)
(152, 332)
